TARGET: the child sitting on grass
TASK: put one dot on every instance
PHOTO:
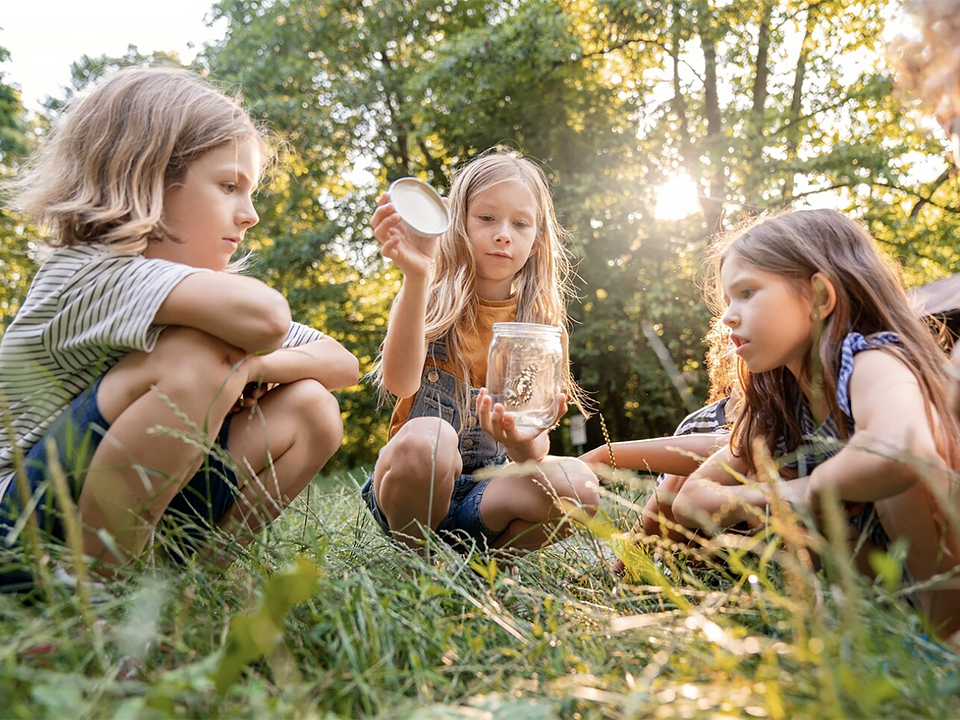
(136, 340)
(845, 385)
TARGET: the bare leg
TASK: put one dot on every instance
(134, 472)
(933, 549)
(285, 441)
(657, 515)
(527, 509)
(414, 476)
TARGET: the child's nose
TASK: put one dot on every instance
(247, 215)
(503, 233)
(729, 318)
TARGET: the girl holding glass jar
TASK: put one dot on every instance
(502, 260)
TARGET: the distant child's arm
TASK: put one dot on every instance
(893, 446)
(674, 455)
(405, 347)
(324, 360)
(240, 310)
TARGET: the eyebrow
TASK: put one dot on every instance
(237, 173)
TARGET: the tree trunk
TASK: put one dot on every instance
(793, 122)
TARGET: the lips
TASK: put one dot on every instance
(738, 342)
(500, 256)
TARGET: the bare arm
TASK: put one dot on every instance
(674, 455)
(893, 445)
(713, 496)
(954, 371)
(405, 347)
(240, 310)
(324, 360)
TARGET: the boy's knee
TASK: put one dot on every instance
(195, 359)
(319, 414)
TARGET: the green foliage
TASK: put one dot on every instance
(764, 105)
(260, 633)
(16, 263)
(349, 625)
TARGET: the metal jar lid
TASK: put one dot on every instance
(419, 206)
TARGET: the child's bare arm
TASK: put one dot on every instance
(893, 445)
(324, 360)
(954, 372)
(674, 455)
(405, 347)
(240, 310)
(713, 496)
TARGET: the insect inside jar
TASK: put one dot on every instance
(520, 389)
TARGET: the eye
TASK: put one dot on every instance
(522, 224)
(228, 187)
(485, 218)
(747, 293)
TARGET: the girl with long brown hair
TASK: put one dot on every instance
(844, 385)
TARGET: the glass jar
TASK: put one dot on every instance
(525, 371)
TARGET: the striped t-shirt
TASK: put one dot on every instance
(87, 307)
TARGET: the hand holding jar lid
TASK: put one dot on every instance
(419, 206)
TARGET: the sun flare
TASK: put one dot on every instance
(677, 198)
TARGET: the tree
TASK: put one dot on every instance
(16, 263)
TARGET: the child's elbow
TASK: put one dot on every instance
(350, 372)
(400, 387)
(273, 322)
(684, 511)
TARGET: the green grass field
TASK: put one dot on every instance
(324, 618)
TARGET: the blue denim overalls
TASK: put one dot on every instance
(437, 397)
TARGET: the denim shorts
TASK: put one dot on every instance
(77, 433)
(461, 527)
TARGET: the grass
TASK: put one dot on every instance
(325, 618)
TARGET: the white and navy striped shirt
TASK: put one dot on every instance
(87, 307)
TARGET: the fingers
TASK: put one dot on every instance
(494, 418)
(385, 222)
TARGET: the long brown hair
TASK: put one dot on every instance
(100, 176)
(869, 299)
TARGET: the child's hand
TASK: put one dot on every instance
(252, 392)
(502, 426)
(412, 253)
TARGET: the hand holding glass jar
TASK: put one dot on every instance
(525, 371)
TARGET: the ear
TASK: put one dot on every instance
(824, 296)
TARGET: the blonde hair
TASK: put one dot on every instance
(869, 299)
(101, 175)
(930, 67)
(543, 286)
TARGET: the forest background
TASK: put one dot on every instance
(658, 123)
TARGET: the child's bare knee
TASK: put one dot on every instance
(425, 443)
(573, 478)
(319, 414)
(196, 360)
